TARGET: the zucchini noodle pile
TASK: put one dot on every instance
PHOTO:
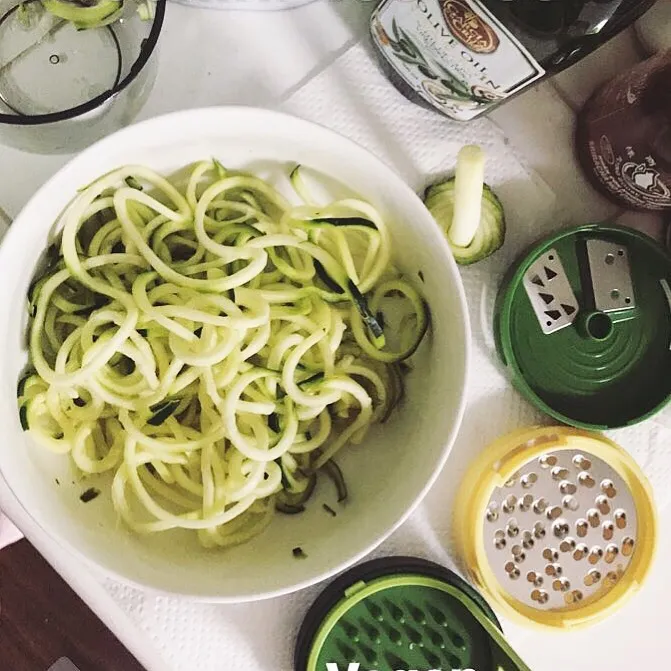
(211, 345)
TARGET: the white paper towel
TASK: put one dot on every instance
(355, 99)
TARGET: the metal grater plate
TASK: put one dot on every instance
(611, 275)
(561, 530)
(550, 293)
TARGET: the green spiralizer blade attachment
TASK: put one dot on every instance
(583, 323)
(402, 613)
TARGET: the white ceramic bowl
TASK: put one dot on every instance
(387, 476)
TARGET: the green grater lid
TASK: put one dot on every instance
(402, 613)
(583, 323)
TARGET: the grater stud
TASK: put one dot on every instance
(540, 595)
(611, 578)
(529, 480)
(581, 462)
(561, 529)
(602, 504)
(586, 480)
(547, 461)
(559, 473)
(567, 487)
(512, 528)
(553, 570)
(518, 554)
(580, 552)
(592, 578)
(593, 518)
(527, 540)
(569, 598)
(612, 551)
(534, 578)
(608, 531)
(627, 546)
(570, 503)
(595, 555)
(540, 505)
(553, 512)
(561, 585)
(608, 488)
(551, 555)
(620, 518)
(581, 528)
(525, 503)
(509, 504)
(539, 530)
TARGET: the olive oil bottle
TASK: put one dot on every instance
(463, 57)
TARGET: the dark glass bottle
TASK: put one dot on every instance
(463, 57)
(623, 137)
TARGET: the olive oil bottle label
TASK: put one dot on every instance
(453, 53)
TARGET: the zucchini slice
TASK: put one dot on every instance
(369, 319)
(292, 498)
(93, 16)
(332, 470)
(491, 232)
(162, 410)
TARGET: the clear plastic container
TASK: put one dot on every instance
(62, 88)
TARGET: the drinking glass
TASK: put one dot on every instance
(62, 88)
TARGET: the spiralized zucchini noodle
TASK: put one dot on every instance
(211, 345)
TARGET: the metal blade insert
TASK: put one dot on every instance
(609, 269)
(550, 293)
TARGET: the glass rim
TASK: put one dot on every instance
(146, 51)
